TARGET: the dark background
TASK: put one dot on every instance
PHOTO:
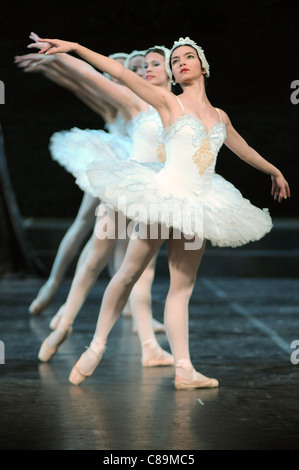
(252, 48)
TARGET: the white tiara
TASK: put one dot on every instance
(131, 55)
(188, 42)
(167, 57)
(119, 55)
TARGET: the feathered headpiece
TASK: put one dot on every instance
(188, 42)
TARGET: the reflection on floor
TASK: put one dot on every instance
(240, 332)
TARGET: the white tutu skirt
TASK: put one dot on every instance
(75, 149)
(141, 192)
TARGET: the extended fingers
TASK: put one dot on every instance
(34, 36)
(280, 189)
(33, 67)
(47, 49)
(32, 45)
(50, 41)
(50, 47)
(276, 193)
(27, 58)
(37, 45)
(23, 64)
(283, 192)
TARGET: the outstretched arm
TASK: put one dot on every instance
(152, 94)
(73, 81)
(280, 188)
(115, 94)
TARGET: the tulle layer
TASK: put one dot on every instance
(218, 212)
(75, 149)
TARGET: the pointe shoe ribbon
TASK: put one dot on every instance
(77, 376)
(46, 351)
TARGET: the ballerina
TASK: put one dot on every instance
(194, 132)
(72, 74)
(81, 79)
(71, 149)
(147, 130)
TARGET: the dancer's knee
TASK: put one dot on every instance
(129, 274)
(181, 291)
(93, 263)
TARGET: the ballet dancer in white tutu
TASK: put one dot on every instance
(78, 77)
(146, 138)
(200, 203)
(74, 148)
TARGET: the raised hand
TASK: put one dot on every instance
(36, 44)
(33, 62)
(54, 46)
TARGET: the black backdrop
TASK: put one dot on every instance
(252, 48)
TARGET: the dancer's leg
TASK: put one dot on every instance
(183, 267)
(141, 303)
(138, 255)
(95, 259)
(117, 256)
(87, 268)
(114, 263)
(66, 253)
(141, 300)
(145, 325)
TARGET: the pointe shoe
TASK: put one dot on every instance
(56, 319)
(181, 383)
(160, 358)
(46, 351)
(77, 376)
(36, 307)
(162, 362)
(44, 297)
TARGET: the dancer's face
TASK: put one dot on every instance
(154, 68)
(185, 65)
(136, 65)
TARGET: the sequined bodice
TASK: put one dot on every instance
(192, 151)
(146, 131)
